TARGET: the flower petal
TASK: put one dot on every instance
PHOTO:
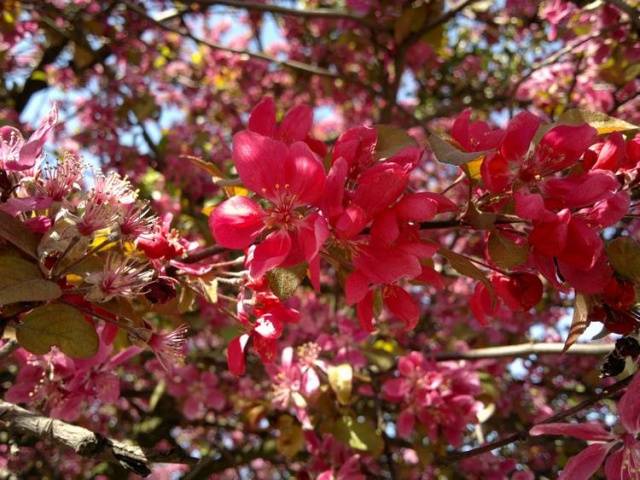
(629, 407)
(235, 354)
(586, 463)
(590, 431)
(269, 253)
(305, 174)
(296, 124)
(402, 305)
(260, 161)
(32, 149)
(236, 222)
(263, 118)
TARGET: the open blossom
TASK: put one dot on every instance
(280, 167)
(440, 396)
(620, 452)
(294, 381)
(62, 179)
(159, 242)
(16, 153)
(263, 317)
(120, 276)
(67, 385)
(509, 154)
(169, 347)
(199, 391)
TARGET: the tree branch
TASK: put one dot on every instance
(84, 441)
(295, 65)
(325, 13)
(524, 350)
(8, 348)
(524, 434)
(632, 12)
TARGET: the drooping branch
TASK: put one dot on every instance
(524, 433)
(83, 441)
(526, 349)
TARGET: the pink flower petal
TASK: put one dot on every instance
(305, 174)
(269, 253)
(364, 311)
(402, 305)
(518, 136)
(32, 149)
(235, 354)
(586, 463)
(585, 431)
(356, 287)
(417, 207)
(296, 124)
(260, 161)
(263, 118)
(578, 191)
(629, 407)
(613, 466)
(236, 222)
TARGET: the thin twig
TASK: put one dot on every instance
(8, 348)
(524, 350)
(295, 65)
(524, 434)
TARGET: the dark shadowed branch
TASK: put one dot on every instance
(524, 433)
(83, 441)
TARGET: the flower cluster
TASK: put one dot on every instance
(86, 238)
(359, 215)
(440, 397)
(557, 188)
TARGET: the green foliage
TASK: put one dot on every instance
(57, 325)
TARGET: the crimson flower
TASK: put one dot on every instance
(289, 176)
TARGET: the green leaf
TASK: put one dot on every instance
(447, 153)
(14, 232)
(210, 289)
(285, 281)
(391, 140)
(359, 436)
(580, 320)
(57, 325)
(624, 255)
(291, 438)
(478, 219)
(21, 281)
(464, 266)
(341, 381)
(601, 122)
(506, 253)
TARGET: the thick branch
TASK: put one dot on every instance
(526, 349)
(83, 441)
(524, 434)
